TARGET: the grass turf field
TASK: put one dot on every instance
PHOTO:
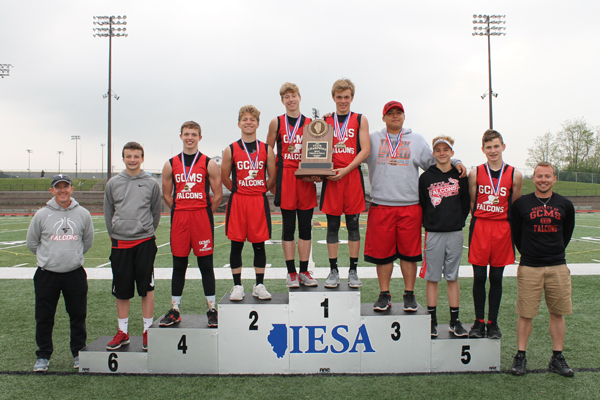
(17, 343)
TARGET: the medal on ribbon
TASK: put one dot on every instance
(186, 176)
(291, 135)
(496, 188)
(254, 163)
(393, 147)
(340, 133)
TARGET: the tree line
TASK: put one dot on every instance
(575, 147)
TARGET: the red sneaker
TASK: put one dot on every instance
(120, 339)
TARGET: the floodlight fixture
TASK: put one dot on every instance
(487, 25)
(110, 26)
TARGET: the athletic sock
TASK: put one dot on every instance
(490, 322)
(123, 323)
(433, 312)
(147, 323)
(303, 266)
(333, 264)
(291, 267)
(353, 263)
(521, 352)
(210, 302)
(556, 352)
(175, 302)
(409, 292)
(453, 314)
(237, 279)
(260, 279)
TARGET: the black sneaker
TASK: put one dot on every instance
(559, 365)
(477, 330)
(457, 329)
(434, 331)
(383, 302)
(213, 318)
(519, 365)
(493, 331)
(171, 318)
(410, 302)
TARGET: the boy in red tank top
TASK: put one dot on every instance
(248, 171)
(294, 196)
(187, 180)
(493, 187)
(344, 193)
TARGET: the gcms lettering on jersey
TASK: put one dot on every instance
(486, 189)
(248, 165)
(192, 178)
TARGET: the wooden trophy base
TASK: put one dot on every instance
(315, 169)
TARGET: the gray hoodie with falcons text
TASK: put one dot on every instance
(59, 237)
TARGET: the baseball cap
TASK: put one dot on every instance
(392, 104)
(61, 178)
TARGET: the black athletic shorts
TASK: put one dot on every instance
(133, 266)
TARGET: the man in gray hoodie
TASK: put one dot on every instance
(59, 235)
(132, 206)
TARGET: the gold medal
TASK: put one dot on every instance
(254, 174)
(186, 187)
(393, 161)
(496, 201)
(341, 145)
(291, 148)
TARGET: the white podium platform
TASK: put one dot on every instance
(310, 330)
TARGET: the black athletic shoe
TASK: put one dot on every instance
(493, 331)
(410, 302)
(519, 365)
(383, 302)
(559, 365)
(457, 329)
(434, 331)
(171, 318)
(213, 318)
(477, 330)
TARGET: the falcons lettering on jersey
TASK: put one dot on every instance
(544, 217)
(187, 193)
(439, 190)
(63, 226)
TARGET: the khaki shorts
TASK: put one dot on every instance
(555, 281)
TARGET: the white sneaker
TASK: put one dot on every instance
(260, 291)
(292, 280)
(237, 293)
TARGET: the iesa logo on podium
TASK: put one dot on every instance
(316, 335)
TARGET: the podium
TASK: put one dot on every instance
(310, 330)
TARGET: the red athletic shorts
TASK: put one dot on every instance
(248, 218)
(393, 232)
(346, 196)
(293, 193)
(490, 243)
(192, 230)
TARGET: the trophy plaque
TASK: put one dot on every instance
(317, 140)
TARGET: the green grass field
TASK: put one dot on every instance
(43, 184)
(17, 338)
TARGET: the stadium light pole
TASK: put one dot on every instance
(76, 138)
(59, 154)
(102, 145)
(105, 29)
(487, 25)
(5, 70)
(29, 161)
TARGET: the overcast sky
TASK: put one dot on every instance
(203, 60)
